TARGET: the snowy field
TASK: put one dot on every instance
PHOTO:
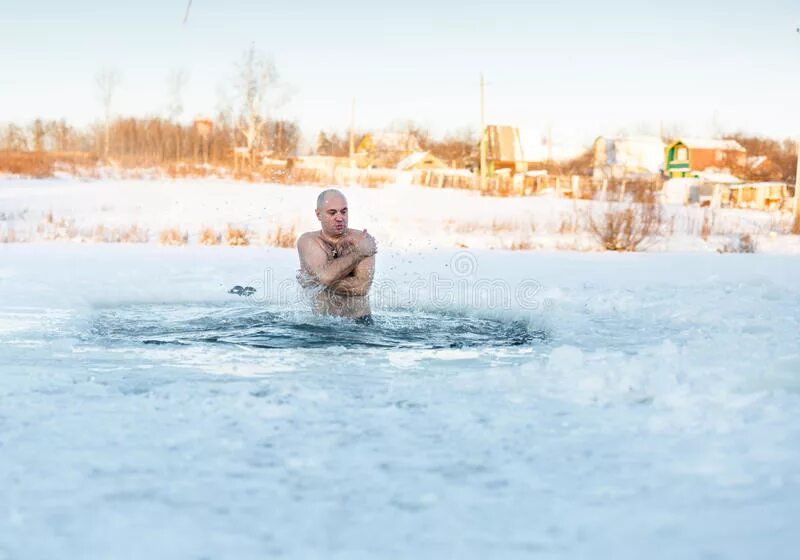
(402, 217)
(505, 405)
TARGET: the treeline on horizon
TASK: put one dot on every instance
(242, 127)
(159, 142)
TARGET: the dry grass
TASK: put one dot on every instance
(180, 170)
(130, 234)
(209, 237)
(43, 164)
(522, 245)
(8, 235)
(709, 217)
(569, 224)
(52, 228)
(173, 237)
(285, 238)
(624, 227)
(745, 243)
(502, 226)
(27, 164)
(464, 227)
(237, 237)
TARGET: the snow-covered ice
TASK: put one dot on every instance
(653, 412)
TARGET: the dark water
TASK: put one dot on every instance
(185, 324)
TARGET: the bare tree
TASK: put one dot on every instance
(176, 81)
(14, 138)
(459, 147)
(38, 132)
(107, 81)
(412, 131)
(256, 79)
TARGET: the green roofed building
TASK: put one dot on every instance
(687, 155)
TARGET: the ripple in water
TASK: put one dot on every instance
(264, 328)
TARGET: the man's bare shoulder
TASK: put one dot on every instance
(352, 232)
(308, 238)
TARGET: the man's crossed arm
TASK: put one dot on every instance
(336, 274)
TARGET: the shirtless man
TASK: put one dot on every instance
(337, 261)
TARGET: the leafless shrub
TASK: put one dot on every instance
(708, 225)
(745, 243)
(101, 234)
(569, 224)
(286, 238)
(209, 237)
(173, 236)
(237, 237)
(130, 234)
(134, 234)
(625, 226)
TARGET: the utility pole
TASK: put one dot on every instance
(797, 192)
(352, 131)
(483, 139)
(796, 225)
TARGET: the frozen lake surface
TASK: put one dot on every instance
(590, 406)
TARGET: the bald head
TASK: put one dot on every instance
(332, 212)
(328, 194)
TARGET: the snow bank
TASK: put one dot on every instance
(403, 217)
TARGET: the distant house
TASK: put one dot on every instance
(421, 160)
(508, 147)
(388, 148)
(695, 154)
(628, 158)
(504, 148)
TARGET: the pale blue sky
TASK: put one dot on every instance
(583, 68)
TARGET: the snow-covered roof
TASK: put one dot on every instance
(535, 148)
(714, 177)
(755, 162)
(633, 154)
(759, 185)
(410, 161)
(712, 144)
(635, 139)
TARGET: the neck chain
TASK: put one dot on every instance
(333, 247)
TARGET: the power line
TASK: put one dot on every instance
(186, 17)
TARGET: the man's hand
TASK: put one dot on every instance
(360, 280)
(364, 243)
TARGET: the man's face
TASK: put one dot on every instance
(333, 215)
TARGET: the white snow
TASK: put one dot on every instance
(712, 144)
(659, 419)
(402, 217)
(656, 416)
